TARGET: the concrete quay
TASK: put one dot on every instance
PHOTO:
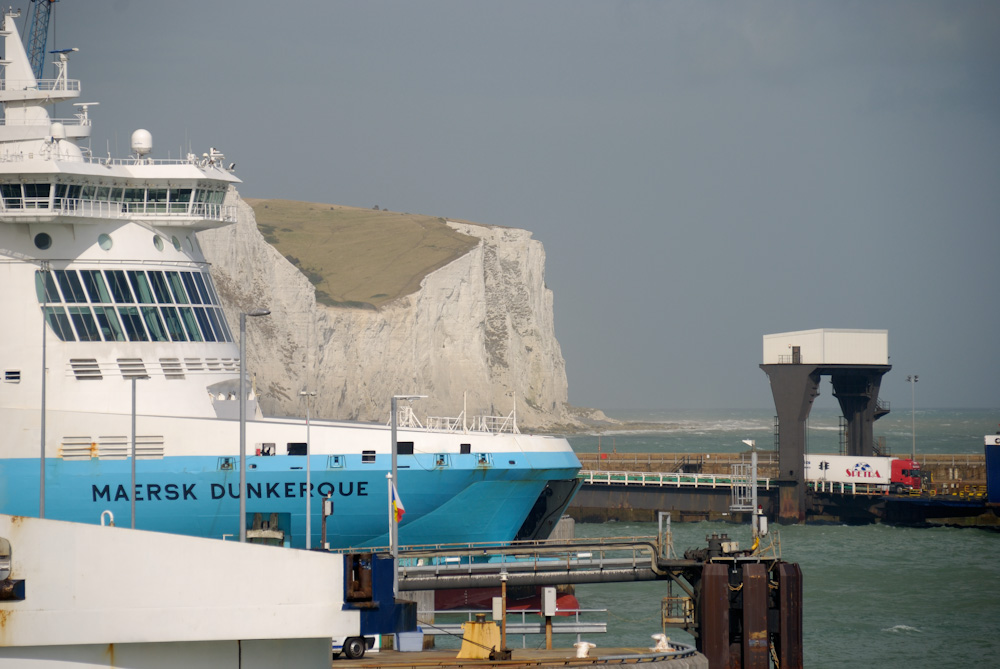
(557, 657)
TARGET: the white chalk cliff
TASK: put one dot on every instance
(480, 327)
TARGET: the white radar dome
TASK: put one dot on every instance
(142, 142)
(58, 131)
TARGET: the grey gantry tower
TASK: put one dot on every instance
(794, 362)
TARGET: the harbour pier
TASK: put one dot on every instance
(697, 487)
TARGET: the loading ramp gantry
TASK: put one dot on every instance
(794, 363)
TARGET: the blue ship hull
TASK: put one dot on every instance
(199, 495)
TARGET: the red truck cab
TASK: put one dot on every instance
(906, 475)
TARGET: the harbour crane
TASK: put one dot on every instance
(39, 34)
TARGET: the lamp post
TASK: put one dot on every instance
(307, 394)
(913, 411)
(393, 526)
(243, 418)
(132, 492)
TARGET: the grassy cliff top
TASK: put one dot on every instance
(358, 257)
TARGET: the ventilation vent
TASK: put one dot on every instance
(113, 448)
(193, 364)
(12, 376)
(231, 364)
(77, 448)
(86, 369)
(147, 447)
(172, 368)
(367, 456)
(132, 368)
(213, 364)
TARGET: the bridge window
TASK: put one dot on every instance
(173, 322)
(45, 287)
(154, 324)
(119, 287)
(93, 280)
(56, 316)
(36, 196)
(160, 287)
(133, 323)
(179, 200)
(86, 326)
(72, 289)
(156, 200)
(11, 196)
(107, 319)
(141, 286)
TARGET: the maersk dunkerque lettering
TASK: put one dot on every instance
(172, 492)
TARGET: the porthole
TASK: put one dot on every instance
(176, 242)
(104, 241)
(43, 240)
(158, 242)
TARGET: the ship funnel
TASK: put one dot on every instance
(142, 142)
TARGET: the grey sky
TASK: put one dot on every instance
(701, 174)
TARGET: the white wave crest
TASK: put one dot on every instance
(900, 628)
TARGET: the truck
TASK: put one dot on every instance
(875, 473)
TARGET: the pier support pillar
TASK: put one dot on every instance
(794, 387)
(857, 391)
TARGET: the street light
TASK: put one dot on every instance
(132, 494)
(913, 410)
(307, 394)
(243, 418)
(393, 526)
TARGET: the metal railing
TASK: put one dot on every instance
(663, 479)
(524, 627)
(104, 209)
(39, 85)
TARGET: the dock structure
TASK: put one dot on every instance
(794, 363)
(741, 606)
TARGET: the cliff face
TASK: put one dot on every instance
(481, 325)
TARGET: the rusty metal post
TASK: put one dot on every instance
(713, 637)
(755, 641)
(790, 616)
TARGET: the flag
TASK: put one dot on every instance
(397, 505)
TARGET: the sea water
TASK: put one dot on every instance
(873, 595)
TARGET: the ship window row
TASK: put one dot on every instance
(132, 200)
(138, 323)
(187, 310)
(125, 287)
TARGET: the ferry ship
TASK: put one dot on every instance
(111, 320)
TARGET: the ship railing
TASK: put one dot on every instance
(446, 423)
(131, 161)
(39, 85)
(667, 479)
(489, 424)
(405, 418)
(496, 424)
(45, 122)
(105, 209)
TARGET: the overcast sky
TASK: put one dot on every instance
(700, 173)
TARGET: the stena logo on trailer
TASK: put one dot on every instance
(863, 470)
